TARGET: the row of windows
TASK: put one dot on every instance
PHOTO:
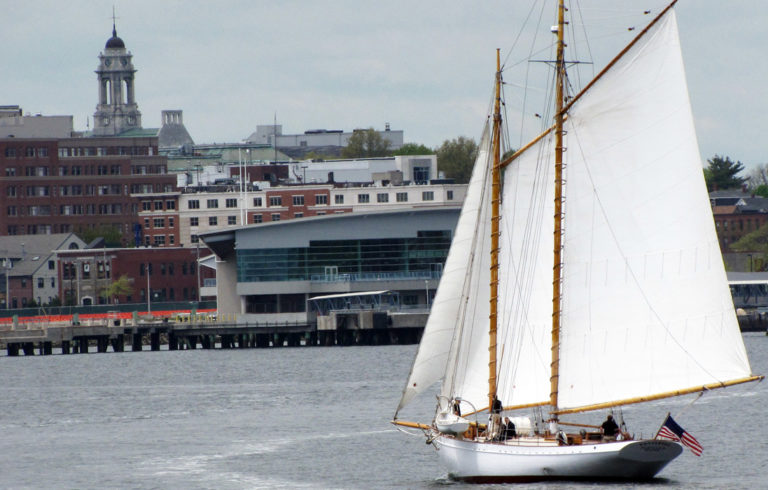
(734, 224)
(27, 151)
(90, 151)
(47, 229)
(89, 190)
(320, 200)
(65, 210)
(65, 170)
(158, 205)
(372, 256)
(159, 222)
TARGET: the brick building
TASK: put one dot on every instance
(169, 273)
(68, 185)
(736, 213)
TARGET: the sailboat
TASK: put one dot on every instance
(578, 280)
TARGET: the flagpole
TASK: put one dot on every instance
(662, 424)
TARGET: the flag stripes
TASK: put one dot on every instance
(671, 430)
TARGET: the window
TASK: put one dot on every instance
(10, 152)
(158, 222)
(193, 204)
(231, 220)
(212, 203)
(146, 206)
(321, 199)
(257, 202)
(158, 204)
(339, 199)
(146, 223)
(382, 197)
(170, 204)
(427, 196)
(298, 200)
(298, 215)
(194, 238)
(51, 265)
(231, 202)
(257, 218)
(363, 198)
(275, 201)
(402, 197)
(275, 217)
(213, 221)
(170, 222)
(449, 195)
(159, 241)
(40, 282)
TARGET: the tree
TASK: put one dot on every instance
(758, 180)
(456, 157)
(366, 143)
(120, 287)
(722, 174)
(413, 149)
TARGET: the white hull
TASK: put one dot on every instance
(534, 459)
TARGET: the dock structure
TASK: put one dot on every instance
(204, 332)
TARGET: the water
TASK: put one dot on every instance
(291, 418)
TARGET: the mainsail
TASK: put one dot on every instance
(646, 310)
(646, 307)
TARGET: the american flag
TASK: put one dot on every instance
(671, 430)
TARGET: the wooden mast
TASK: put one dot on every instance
(495, 193)
(558, 233)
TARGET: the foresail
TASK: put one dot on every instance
(646, 307)
(450, 304)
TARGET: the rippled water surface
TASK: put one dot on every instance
(292, 418)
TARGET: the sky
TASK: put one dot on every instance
(425, 67)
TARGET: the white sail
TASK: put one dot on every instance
(459, 280)
(525, 278)
(646, 307)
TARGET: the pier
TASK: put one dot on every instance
(201, 332)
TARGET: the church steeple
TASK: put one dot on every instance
(117, 110)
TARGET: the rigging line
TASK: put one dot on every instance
(519, 33)
(528, 73)
(627, 265)
(590, 57)
(522, 272)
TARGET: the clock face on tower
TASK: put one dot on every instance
(107, 62)
(124, 61)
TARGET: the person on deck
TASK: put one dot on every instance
(457, 407)
(495, 422)
(508, 430)
(609, 428)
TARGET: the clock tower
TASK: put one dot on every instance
(117, 110)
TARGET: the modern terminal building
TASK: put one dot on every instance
(269, 273)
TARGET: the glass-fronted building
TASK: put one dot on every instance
(268, 272)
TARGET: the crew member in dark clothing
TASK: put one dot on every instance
(457, 407)
(495, 422)
(610, 429)
(508, 429)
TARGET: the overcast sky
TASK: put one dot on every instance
(426, 67)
